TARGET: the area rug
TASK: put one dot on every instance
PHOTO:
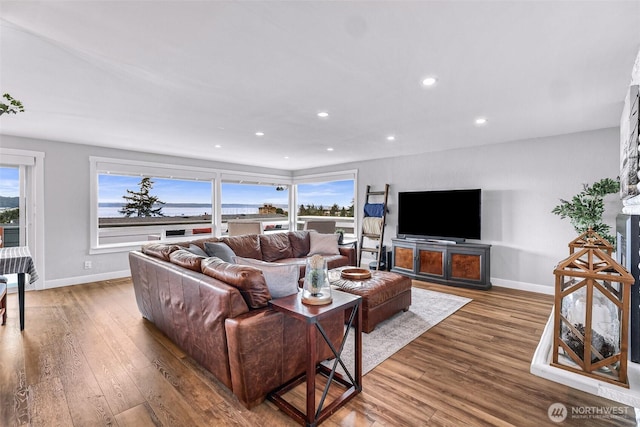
(428, 308)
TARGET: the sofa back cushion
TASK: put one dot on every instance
(186, 259)
(159, 250)
(246, 246)
(249, 280)
(299, 241)
(275, 246)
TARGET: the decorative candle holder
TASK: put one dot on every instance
(316, 289)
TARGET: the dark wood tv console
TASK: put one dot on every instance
(456, 264)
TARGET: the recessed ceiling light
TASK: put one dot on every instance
(259, 133)
(429, 81)
(323, 114)
(330, 149)
(286, 157)
(217, 146)
(391, 138)
(481, 121)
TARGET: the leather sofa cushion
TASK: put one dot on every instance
(300, 243)
(248, 280)
(159, 250)
(275, 246)
(186, 259)
(246, 246)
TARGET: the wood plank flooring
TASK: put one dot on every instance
(87, 358)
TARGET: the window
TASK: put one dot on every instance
(21, 202)
(134, 208)
(10, 230)
(199, 202)
(327, 196)
(159, 202)
(247, 207)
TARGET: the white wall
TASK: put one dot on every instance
(521, 182)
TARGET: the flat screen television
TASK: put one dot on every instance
(448, 215)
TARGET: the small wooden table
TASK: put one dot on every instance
(17, 260)
(312, 315)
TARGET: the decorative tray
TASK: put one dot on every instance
(355, 274)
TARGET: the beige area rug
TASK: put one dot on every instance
(428, 308)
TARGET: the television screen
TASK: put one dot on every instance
(453, 214)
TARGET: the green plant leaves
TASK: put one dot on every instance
(13, 107)
(586, 208)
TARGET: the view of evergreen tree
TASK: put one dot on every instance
(141, 203)
(9, 215)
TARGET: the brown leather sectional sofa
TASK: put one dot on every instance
(218, 312)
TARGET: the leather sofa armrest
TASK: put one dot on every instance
(268, 348)
(256, 354)
(349, 252)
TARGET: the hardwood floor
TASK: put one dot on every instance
(87, 358)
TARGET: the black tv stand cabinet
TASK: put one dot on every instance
(461, 264)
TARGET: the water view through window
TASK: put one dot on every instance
(9, 206)
(135, 208)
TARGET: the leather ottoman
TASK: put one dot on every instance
(383, 295)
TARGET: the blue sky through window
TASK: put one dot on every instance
(326, 193)
(9, 181)
(111, 188)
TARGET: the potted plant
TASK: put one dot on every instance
(340, 233)
(586, 208)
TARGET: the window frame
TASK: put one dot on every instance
(105, 165)
(344, 175)
(100, 165)
(32, 203)
(255, 179)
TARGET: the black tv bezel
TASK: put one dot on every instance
(443, 238)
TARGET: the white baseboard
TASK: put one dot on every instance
(523, 286)
(79, 280)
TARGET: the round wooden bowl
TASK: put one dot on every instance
(355, 274)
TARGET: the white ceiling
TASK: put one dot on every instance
(179, 77)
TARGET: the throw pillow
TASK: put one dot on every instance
(219, 250)
(246, 246)
(323, 244)
(282, 279)
(196, 250)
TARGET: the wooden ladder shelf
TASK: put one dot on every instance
(384, 194)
